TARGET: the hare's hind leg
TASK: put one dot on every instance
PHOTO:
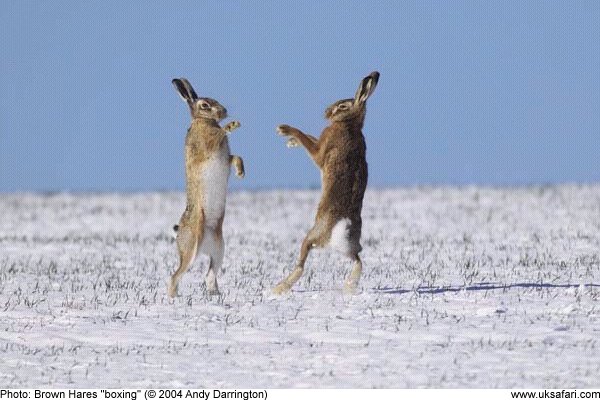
(215, 247)
(352, 248)
(188, 238)
(286, 284)
(351, 283)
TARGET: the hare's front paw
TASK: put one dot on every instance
(238, 164)
(240, 172)
(232, 126)
(284, 130)
(292, 142)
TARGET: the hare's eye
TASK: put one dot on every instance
(204, 106)
(343, 106)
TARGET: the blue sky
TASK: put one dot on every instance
(497, 93)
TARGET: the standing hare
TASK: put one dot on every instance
(207, 166)
(340, 155)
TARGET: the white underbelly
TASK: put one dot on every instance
(340, 236)
(214, 176)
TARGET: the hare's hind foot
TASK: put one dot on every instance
(172, 289)
(212, 288)
(350, 287)
(213, 291)
(231, 126)
(285, 285)
(281, 288)
(351, 284)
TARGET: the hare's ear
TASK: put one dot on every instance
(190, 89)
(366, 88)
(185, 89)
(182, 90)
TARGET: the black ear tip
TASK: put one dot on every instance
(375, 75)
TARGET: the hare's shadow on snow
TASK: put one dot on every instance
(481, 286)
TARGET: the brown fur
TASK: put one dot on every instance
(204, 141)
(340, 154)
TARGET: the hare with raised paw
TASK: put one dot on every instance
(340, 155)
(207, 165)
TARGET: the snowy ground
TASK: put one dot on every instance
(470, 287)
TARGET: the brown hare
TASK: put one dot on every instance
(207, 166)
(340, 155)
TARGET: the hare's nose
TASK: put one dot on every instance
(224, 113)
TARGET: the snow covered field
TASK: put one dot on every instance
(462, 287)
